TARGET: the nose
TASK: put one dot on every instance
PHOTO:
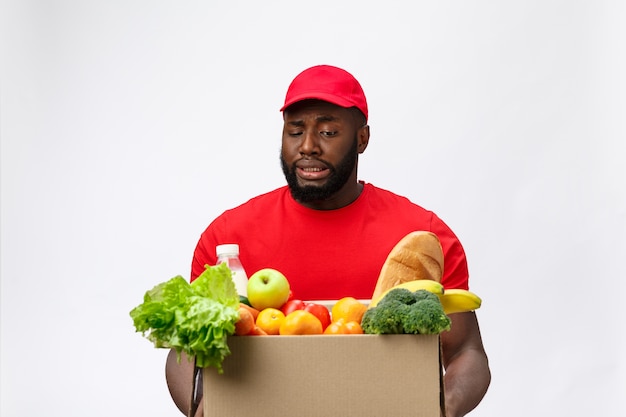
(309, 144)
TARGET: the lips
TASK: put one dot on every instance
(311, 170)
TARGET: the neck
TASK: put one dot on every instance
(345, 196)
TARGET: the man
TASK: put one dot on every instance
(330, 233)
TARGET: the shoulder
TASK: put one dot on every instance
(381, 196)
(265, 199)
(381, 192)
(241, 218)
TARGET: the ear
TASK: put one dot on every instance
(363, 138)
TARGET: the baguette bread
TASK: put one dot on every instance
(418, 255)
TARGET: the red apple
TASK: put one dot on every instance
(319, 311)
(292, 305)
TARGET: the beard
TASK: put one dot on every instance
(338, 177)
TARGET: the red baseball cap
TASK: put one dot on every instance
(327, 83)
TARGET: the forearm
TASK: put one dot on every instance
(179, 378)
(466, 381)
(467, 375)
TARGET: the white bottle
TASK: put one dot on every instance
(229, 254)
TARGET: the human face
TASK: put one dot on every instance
(320, 148)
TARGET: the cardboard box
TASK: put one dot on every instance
(326, 376)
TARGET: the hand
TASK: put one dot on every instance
(200, 410)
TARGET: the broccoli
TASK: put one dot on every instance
(403, 311)
(385, 318)
(426, 317)
(400, 294)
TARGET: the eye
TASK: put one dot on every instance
(295, 133)
(328, 133)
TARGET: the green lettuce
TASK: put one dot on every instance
(194, 318)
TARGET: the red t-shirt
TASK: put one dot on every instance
(326, 255)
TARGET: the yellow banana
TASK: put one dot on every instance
(420, 284)
(457, 301)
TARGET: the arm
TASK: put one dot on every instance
(179, 378)
(467, 375)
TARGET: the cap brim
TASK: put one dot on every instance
(331, 98)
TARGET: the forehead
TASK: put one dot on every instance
(316, 109)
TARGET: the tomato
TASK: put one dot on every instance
(292, 305)
(343, 327)
(319, 311)
(336, 327)
(354, 327)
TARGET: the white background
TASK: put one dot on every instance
(127, 126)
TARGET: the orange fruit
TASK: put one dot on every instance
(300, 322)
(269, 320)
(245, 324)
(348, 309)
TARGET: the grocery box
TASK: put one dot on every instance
(327, 375)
